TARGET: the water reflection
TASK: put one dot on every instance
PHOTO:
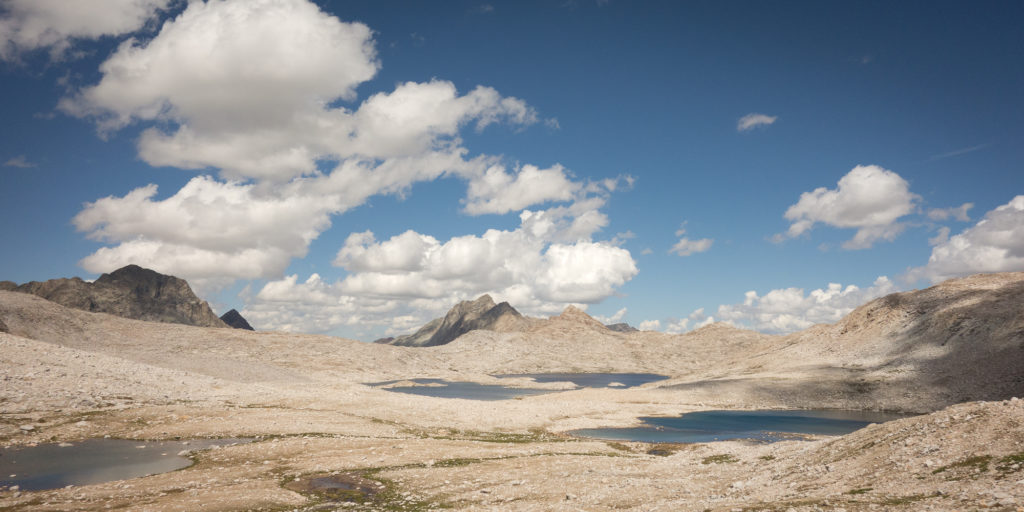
(764, 425)
(51, 466)
(441, 388)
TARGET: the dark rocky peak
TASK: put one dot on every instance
(144, 282)
(129, 292)
(235, 319)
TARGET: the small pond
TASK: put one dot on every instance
(766, 425)
(592, 380)
(51, 466)
(441, 388)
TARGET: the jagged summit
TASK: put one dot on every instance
(466, 316)
(130, 292)
(235, 319)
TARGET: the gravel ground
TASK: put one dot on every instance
(67, 375)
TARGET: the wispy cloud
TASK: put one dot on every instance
(963, 151)
(19, 161)
(686, 246)
(753, 120)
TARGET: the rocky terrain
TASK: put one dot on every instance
(131, 292)
(951, 351)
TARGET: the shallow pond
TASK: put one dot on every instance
(767, 425)
(51, 466)
(592, 380)
(441, 388)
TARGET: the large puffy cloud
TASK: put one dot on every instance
(790, 309)
(994, 244)
(412, 276)
(29, 25)
(206, 230)
(497, 191)
(252, 88)
(868, 198)
(249, 86)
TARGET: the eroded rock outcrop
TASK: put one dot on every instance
(129, 292)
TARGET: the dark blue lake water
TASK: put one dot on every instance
(51, 466)
(767, 425)
(441, 388)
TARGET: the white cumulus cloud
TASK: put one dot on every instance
(53, 25)
(613, 319)
(529, 267)
(753, 120)
(868, 198)
(686, 246)
(994, 244)
(497, 191)
(264, 92)
(206, 230)
(694, 320)
(791, 309)
(649, 325)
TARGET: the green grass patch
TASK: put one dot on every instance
(905, 500)
(724, 458)
(1010, 463)
(618, 446)
(978, 462)
(860, 490)
(456, 462)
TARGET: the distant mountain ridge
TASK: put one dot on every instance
(129, 292)
(484, 314)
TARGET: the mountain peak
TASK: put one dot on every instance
(481, 313)
(130, 292)
(235, 319)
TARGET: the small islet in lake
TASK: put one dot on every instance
(757, 425)
(93, 461)
(441, 388)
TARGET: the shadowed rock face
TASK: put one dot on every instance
(466, 316)
(621, 327)
(129, 292)
(235, 319)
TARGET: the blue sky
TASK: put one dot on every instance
(337, 166)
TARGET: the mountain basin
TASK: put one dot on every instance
(94, 461)
(758, 425)
(442, 388)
